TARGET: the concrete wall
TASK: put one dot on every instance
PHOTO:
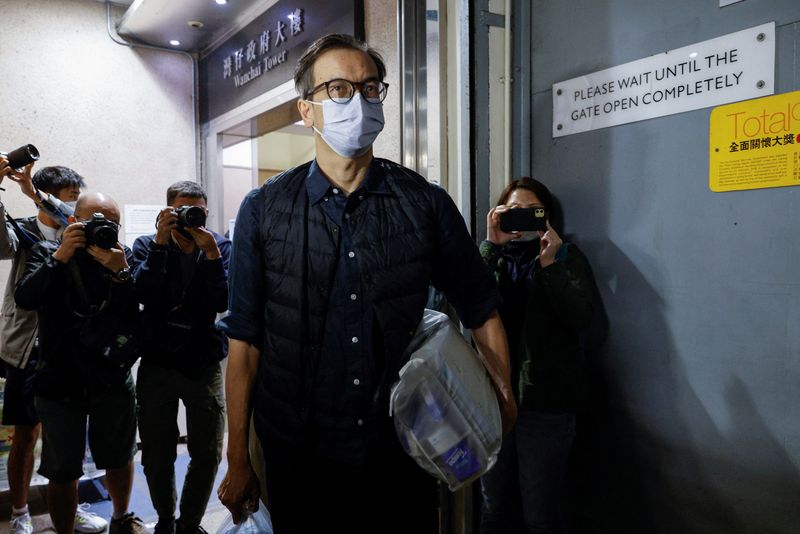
(696, 423)
(121, 117)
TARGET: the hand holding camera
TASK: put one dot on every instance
(74, 238)
(494, 231)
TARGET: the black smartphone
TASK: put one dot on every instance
(523, 220)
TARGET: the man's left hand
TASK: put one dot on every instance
(112, 259)
(205, 242)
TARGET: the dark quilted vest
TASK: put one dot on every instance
(396, 248)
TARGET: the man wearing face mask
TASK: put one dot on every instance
(18, 329)
(332, 265)
(181, 273)
(82, 289)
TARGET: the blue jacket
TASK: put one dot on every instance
(180, 308)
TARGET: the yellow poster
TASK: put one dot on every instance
(755, 144)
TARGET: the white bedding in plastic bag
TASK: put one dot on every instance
(444, 407)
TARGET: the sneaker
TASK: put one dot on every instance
(86, 521)
(127, 524)
(22, 524)
(165, 526)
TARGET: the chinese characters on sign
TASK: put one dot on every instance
(755, 144)
(730, 68)
(248, 63)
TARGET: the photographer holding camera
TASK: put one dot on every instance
(18, 331)
(181, 275)
(88, 311)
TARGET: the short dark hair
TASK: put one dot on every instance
(185, 189)
(304, 72)
(54, 179)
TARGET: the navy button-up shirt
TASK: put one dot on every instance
(351, 358)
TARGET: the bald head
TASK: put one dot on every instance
(91, 203)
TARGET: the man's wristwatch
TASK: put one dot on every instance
(123, 275)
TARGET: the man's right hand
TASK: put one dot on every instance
(167, 222)
(239, 490)
(74, 238)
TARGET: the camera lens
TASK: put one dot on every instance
(192, 216)
(22, 156)
(104, 236)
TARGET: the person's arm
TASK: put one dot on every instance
(9, 240)
(42, 273)
(239, 490)
(468, 285)
(212, 269)
(567, 285)
(490, 338)
(244, 326)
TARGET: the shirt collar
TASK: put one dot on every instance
(317, 185)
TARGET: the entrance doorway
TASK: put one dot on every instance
(255, 151)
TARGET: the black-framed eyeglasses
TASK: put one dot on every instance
(342, 91)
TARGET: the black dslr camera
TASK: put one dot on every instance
(191, 216)
(22, 156)
(101, 232)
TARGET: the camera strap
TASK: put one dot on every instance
(20, 232)
(93, 309)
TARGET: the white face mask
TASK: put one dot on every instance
(526, 236)
(350, 129)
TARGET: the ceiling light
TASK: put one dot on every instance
(222, 2)
(175, 42)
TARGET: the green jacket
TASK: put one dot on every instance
(544, 314)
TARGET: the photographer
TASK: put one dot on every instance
(18, 327)
(546, 285)
(181, 274)
(88, 312)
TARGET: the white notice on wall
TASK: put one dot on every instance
(140, 219)
(734, 67)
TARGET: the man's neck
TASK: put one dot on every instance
(47, 221)
(347, 174)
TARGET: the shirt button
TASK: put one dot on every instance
(354, 340)
(353, 296)
(360, 197)
(346, 215)
(325, 199)
(335, 191)
(356, 382)
(360, 422)
(351, 254)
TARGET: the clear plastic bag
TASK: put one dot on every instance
(255, 523)
(444, 407)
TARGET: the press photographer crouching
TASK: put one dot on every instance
(88, 315)
(181, 275)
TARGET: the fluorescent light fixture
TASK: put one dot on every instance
(175, 42)
(222, 2)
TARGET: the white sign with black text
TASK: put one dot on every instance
(734, 67)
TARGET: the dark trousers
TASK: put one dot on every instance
(315, 495)
(158, 390)
(523, 491)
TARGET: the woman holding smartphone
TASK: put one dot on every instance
(546, 286)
